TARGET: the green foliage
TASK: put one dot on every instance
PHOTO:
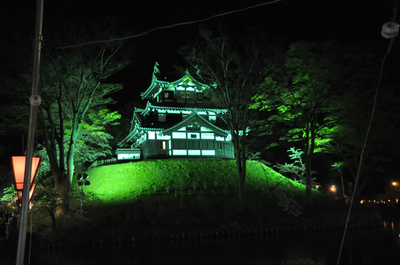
(295, 94)
(296, 169)
(299, 98)
(72, 117)
(9, 193)
(187, 178)
(93, 141)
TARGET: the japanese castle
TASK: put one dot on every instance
(179, 121)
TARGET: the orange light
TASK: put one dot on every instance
(18, 165)
(395, 183)
(30, 192)
(333, 188)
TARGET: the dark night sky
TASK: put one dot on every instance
(357, 22)
(350, 21)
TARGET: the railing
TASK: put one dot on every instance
(102, 162)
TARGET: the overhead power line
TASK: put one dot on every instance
(170, 26)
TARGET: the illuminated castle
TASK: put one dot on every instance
(179, 121)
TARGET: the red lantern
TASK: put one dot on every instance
(18, 165)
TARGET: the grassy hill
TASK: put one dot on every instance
(159, 196)
(128, 182)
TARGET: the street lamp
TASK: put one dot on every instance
(18, 165)
(82, 180)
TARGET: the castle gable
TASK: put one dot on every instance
(185, 90)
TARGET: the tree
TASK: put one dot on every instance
(73, 84)
(356, 105)
(232, 70)
(296, 169)
(94, 139)
(297, 94)
(380, 150)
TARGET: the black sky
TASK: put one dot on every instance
(349, 21)
(356, 22)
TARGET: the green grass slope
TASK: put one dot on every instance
(130, 181)
(160, 196)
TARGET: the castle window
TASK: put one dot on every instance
(193, 144)
(207, 145)
(152, 135)
(194, 136)
(185, 94)
(162, 117)
(212, 118)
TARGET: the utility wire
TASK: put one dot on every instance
(171, 26)
(366, 137)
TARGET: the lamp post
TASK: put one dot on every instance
(22, 168)
(82, 180)
(18, 165)
(34, 101)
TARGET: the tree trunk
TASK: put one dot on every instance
(242, 182)
(70, 161)
(53, 220)
(308, 202)
(241, 169)
(62, 188)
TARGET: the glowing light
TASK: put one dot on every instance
(31, 192)
(18, 164)
(333, 188)
(395, 184)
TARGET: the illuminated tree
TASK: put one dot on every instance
(382, 140)
(232, 69)
(297, 95)
(73, 84)
(296, 170)
(94, 139)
